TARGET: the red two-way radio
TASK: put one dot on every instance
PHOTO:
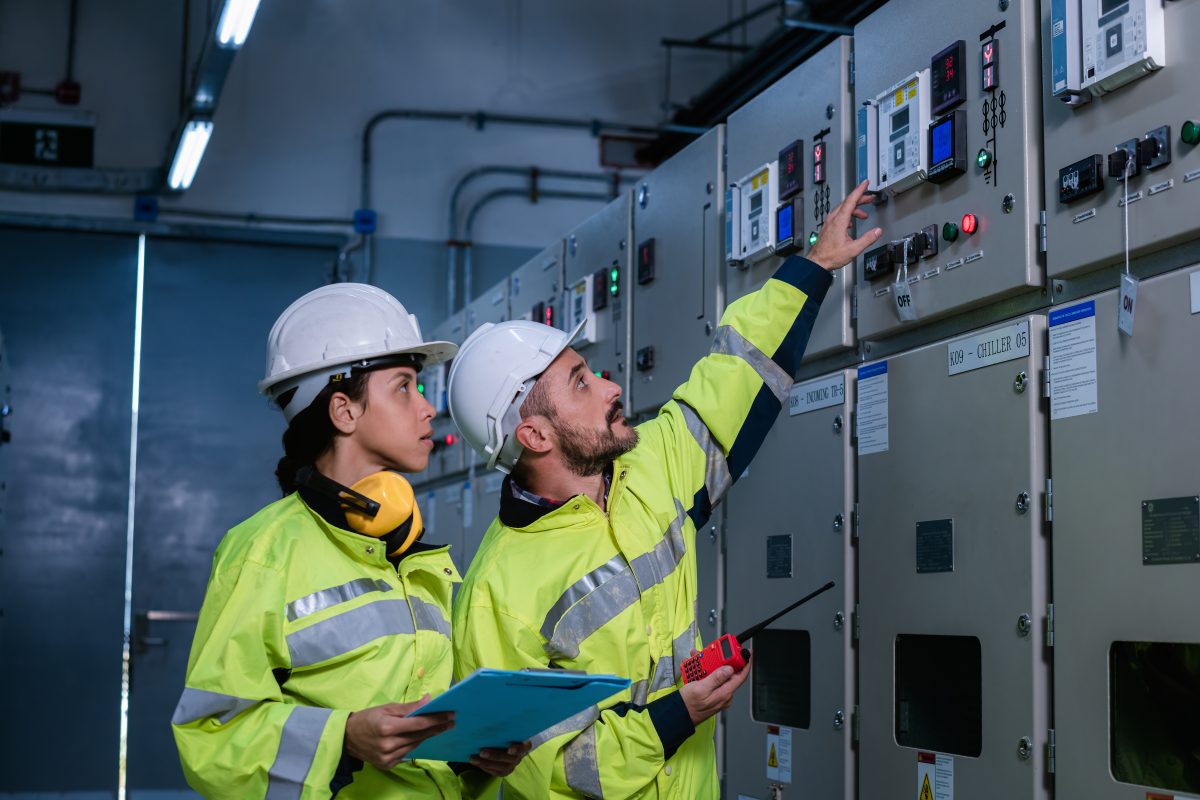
(728, 650)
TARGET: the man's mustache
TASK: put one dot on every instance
(615, 412)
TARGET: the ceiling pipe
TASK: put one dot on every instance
(453, 244)
(498, 194)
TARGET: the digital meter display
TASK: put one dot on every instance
(785, 225)
(1081, 179)
(943, 140)
(791, 170)
(948, 77)
(819, 162)
(947, 147)
(900, 123)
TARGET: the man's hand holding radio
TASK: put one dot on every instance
(712, 694)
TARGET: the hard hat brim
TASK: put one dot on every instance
(433, 352)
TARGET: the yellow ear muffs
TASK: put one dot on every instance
(398, 520)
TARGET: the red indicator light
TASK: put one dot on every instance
(450, 438)
(550, 316)
(969, 224)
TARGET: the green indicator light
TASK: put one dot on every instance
(1191, 132)
(597, 373)
(421, 388)
(612, 289)
(950, 232)
(812, 238)
(983, 159)
(615, 274)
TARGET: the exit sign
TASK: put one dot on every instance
(46, 138)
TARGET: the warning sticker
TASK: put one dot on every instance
(873, 408)
(935, 776)
(1073, 361)
(779, 754)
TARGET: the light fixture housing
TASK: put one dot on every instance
(233, 26)
(193, 140)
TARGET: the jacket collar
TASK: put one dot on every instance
(331, 511)
(520, 508)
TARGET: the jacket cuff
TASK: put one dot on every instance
(807, 276)
(671, 721)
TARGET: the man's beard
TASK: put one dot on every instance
(590, 452)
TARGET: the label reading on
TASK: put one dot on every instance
(935, 776)
(872, 409)
(935, 546)
(779, 556)
(1073, 378)
(990, 347)
(817, 394)
(779, 754)
(1171, 530)
(1128, 304)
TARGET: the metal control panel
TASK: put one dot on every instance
(954, 682)
(801, 695)
(1131, 156)
(811, 106)
(485, 506)
(448, 447)
(442, 512)
(535, 288)
(598, 289)
(677, 259)
(1126, 505)
(6, 411)
(947, 130)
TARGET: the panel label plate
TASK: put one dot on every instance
(1171, 530)
(990, 347)
(818, 394)
(935, 546)
(779, 556)
(873, 409)
(1073, 378)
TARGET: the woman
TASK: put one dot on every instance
(326, 620)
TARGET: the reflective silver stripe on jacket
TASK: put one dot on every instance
(197, 704)
(729, 341)
(582, 588)
(569, 725)
(580, 765)
(716, 469)
(598, 597)
(337, 635)
(652, 568)
(666, 670)
(429, 617)
(297, 751)
(319, 601)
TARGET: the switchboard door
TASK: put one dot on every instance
(599, 251)
(788, 531)
(953, 671)
(677, 221)
(535, 287)
(485, 499)
(442, 507)
(984, 148)
(1088, 231)
(1126, 479)
(813, 104)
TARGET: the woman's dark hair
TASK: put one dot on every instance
(311, 432)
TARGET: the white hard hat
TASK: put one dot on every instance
(492, 376)
(331, 329)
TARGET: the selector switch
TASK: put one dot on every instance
(1123, 158)
(1154, 151)
(645, 359)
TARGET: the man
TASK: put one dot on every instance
(591, 562)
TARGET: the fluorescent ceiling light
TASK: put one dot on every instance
(188, 153)
(235, 22)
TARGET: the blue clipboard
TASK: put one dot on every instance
(496, 707)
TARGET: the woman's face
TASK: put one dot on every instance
(395, 425)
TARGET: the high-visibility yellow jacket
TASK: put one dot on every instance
(304, 622)
(578, 588)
